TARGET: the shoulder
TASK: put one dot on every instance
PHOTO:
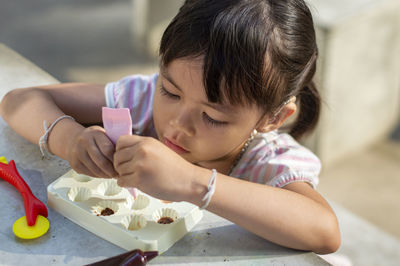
(277, 159)
(122, 92)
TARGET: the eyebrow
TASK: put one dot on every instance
(168, 77)
(218, 107)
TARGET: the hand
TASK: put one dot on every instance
(91, 153)
(149, 165)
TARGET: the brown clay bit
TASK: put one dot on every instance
(166, 201)
(165, 220)
(107, 212)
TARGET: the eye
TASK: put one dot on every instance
(213, 122)
(166, 93)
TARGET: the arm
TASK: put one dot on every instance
(296, 216)
(26, 109)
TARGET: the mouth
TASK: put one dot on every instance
(176, 148)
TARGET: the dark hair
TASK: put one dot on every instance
(255, 51)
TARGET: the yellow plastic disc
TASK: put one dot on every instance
(22, 230)
(3, 160)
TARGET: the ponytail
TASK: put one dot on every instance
(308, 115)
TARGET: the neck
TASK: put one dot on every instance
(224, 164)
(222, 167)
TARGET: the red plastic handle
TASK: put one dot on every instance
(33, 206)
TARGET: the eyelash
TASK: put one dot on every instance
(168, 94)
(207, 119)
(213, 122)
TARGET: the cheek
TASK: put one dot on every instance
(218, 144)
(163, 112)
(159, 114)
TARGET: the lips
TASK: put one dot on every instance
(176, 148)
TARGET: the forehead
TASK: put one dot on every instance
(184, 71)
(186, 75)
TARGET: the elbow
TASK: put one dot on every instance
(6, 102)
(329, 246)
(12, 100)
(330, 239)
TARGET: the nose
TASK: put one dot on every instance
(183, 122)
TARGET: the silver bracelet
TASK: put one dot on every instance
(211, 189)
(44, 139)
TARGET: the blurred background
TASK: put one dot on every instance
(358, 139)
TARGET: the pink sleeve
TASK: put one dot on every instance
(136, 93)
(279, 163)
(293, 165)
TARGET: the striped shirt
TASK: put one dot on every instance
(136, 93)
(276, 159)
(272, 158)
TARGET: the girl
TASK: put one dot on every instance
(231, 73)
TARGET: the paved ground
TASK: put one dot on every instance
(71, 36)
(90, 41)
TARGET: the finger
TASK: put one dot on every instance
(123, 156)
(82, 169)
(105, 145)
(100, 160)
(126, 168)
(121, 182)
(127, 181)
(88, 162)
(128, 140)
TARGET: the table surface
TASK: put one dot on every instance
(213, 241)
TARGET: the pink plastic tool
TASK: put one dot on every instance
(118, 122)
(33, 206)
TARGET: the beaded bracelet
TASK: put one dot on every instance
(44, 139)
(211, 189)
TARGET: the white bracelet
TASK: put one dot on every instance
(211, 189)
(44, 139)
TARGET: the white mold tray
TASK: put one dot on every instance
(109, 211)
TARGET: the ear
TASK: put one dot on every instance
(269, 123)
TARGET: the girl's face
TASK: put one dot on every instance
(208, 134)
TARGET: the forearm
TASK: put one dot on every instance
(278, 215)
(25, 110)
